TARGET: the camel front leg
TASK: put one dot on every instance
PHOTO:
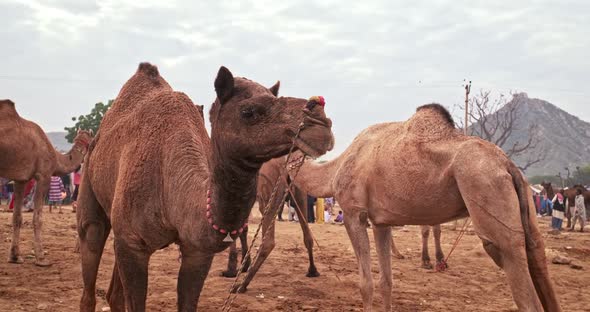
(267, 245)
(356, 226)
(312, 271)
(40, 192)
(133, 271)
(382, 235)
(441, 264)
(17, 222)
(191, 278)
(425, 230)
(232, 261)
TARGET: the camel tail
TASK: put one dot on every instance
(523, 203)
(535, 248)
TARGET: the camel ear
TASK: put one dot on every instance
(91, 132)
(224, 84)
(275, 89)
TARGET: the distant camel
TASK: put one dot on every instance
(269, 173)
(26, 153)
(423, 171)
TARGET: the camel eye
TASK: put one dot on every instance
(247, 113)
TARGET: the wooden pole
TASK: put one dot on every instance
(467, 91)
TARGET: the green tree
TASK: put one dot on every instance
(88, 122)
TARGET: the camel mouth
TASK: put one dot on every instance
(310, 149)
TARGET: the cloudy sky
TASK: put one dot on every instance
(373, 61)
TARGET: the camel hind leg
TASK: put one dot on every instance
(441, 264)
(93, 230)
(300, 198)
(39, 197)
(497, 222)
(425, 231)
(17, 222)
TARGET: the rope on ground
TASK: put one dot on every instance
(461, 233)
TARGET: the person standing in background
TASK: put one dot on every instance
(310, 210)
(319, 211)
(56, 186)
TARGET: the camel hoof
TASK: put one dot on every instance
(427, 265)
(16, 260)
(229, 273)
(238, 289)
(313, 273)
(441, 266)
(43, 263)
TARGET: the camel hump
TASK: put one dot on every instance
(7, 102)
(7, 107)
(438, 109)
(149, 69)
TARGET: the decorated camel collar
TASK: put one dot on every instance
(219, 229)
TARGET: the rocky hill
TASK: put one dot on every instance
(564, 138)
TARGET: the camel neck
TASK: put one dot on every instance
(232, 193)
(68, 162)
(317, 179)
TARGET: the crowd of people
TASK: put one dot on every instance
(61, 191)
(559, 209)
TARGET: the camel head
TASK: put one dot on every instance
(249, 120)
(83, 139)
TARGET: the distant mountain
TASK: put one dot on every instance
(564, 137)
(58, 139)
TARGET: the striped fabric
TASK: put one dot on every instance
(55, 189)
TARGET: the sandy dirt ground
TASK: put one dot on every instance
(472, 283)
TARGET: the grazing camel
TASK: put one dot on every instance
(423, 172)
(26, 153)
(155, 177)
(269, 173)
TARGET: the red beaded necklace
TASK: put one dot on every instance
(217, 227)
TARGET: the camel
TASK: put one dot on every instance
(26, 153)
(325, 172)
(155, 177)
(424, 171)
(269, 173)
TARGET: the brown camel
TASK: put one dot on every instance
(327, 171)
(154, 176)
(26, 153)
(423, 172)
(269, 173)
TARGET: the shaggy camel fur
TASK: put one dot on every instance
(423, 172)
(154, 176)
(26, 153)
(269, 173)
